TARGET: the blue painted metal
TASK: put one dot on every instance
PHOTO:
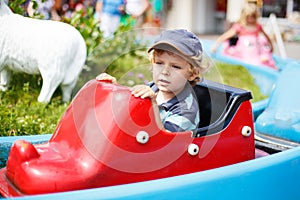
(31, 138)
(272, 177)
(282, 116)
(258, 107)
(6, 142)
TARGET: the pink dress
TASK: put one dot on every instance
(251, 47)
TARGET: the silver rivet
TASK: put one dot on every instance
(246, 131)
(193, 149)
(142, 137)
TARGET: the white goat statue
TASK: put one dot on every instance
(53, 49)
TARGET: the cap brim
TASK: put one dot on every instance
(167, 46)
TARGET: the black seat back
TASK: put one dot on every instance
(217, 105)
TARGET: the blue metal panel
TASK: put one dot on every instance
(273, 177)
(6, 142)
(282, 115)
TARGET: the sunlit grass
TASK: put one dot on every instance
(21, 114)
(236, 76)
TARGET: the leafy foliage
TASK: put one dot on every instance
(84, 21)
(18, 6)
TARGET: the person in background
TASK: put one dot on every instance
(160, 10)
(247, 24)
(248, 27)
(136, 10)
(176, 61)
(109, 13)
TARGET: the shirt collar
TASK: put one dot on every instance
(178, 98)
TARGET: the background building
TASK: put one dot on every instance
(215, 16)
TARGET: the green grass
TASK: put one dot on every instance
(21, 114)
(236, 76)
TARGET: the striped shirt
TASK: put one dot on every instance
(181, 113)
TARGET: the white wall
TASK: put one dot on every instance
(198, 16)
(180, 16)
(204, 16)
(234, 8)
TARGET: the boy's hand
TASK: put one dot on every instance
(106, 77)
(143, 92)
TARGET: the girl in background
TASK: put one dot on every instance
(250, 46)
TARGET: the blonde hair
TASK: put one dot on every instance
(259, 3)
(155, 52)
(248, 10)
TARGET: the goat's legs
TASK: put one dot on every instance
(67, 90)
(48, 88)
(4, 79)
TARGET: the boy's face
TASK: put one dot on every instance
(171, 72)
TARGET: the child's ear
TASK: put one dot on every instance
(194, 74)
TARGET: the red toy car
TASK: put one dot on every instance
(108, 137)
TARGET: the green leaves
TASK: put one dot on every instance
(17, 6)
(85, 23)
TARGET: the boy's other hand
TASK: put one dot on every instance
(143, 91)
(106, 77)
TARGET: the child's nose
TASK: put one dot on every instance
(166, 70)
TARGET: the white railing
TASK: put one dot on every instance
(272, 22)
